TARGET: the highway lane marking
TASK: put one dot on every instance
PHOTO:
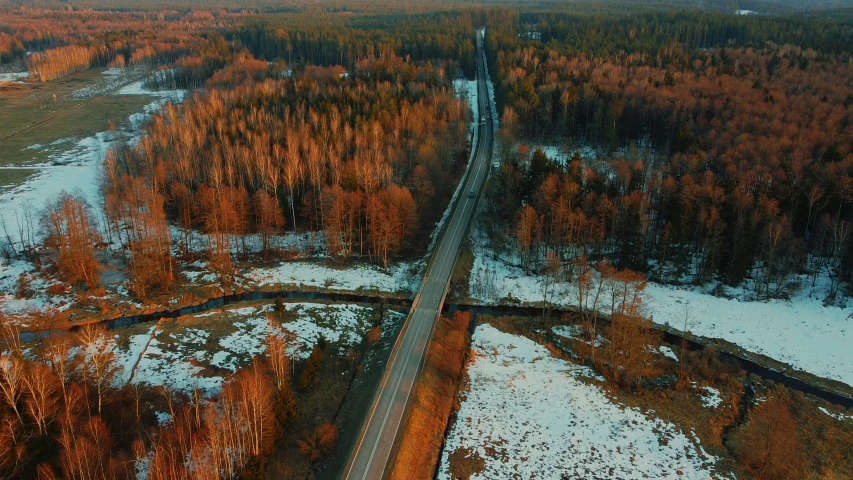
(387, 413)
(382, 386)
(390, 407)
(480, 170)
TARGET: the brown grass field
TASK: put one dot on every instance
(40, 113)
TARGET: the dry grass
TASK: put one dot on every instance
(31, 116)
(434, 400)
(461, 274)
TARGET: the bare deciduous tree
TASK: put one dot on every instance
(67, 223)
(98, 360)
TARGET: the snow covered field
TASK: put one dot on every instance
(801, 332)
(200, 351)
(530, 415)
(402, 277)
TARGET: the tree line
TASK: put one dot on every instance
(55, 43)
(300, 39)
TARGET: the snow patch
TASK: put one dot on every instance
(668, 353)
(127, 360)
(530, 415)
(14, 76)
(575, 332)
(838, 416)
(710, 397)
(75, 170)
(112, 72)
(177, 359)
(11, 272)
(400, 277)
(138, 88)
(163, 367)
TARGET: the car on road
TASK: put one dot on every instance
(472, 193)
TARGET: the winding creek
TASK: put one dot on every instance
(669, 335)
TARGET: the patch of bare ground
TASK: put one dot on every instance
(42, 113)
(465, 463)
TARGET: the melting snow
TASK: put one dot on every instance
(467, 89)
(529, 415)
(11, 304)
(668, 353)
(161, 366)
(14, 76)
(711, 397)
(838, 416)
(575, 332)
(163, 418)
(75, 170)
(177, 359)
(400, 277)
(127, 360)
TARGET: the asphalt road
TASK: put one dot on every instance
(376, 442)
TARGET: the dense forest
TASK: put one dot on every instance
(354, 157)
(727, 145)
(55, 43)
(346, 41)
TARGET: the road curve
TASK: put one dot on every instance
(376, 442)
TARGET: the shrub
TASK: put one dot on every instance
(319, 443)
(374, 335)
(285, 405)
(24, 290)
(314, 363)
(769, 446)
